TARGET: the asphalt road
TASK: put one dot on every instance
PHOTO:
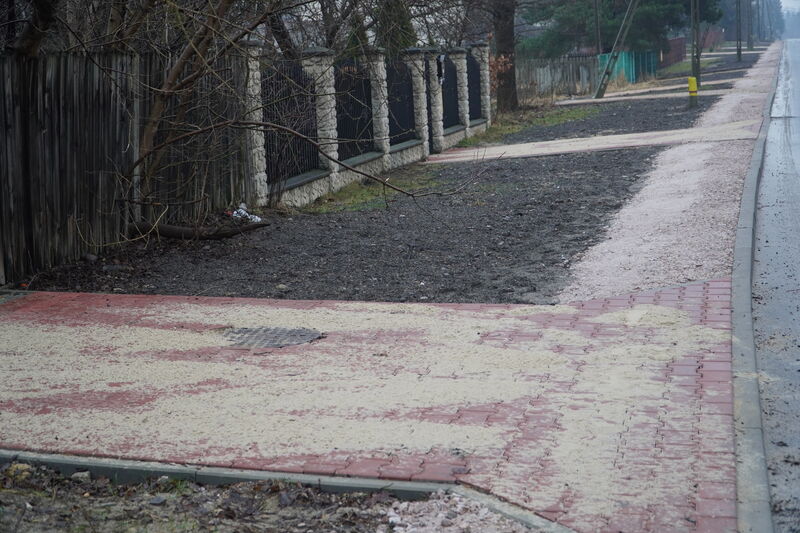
(776, 294)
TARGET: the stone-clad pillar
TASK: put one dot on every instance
(435, 94)
(414, 59)
(375, 61)
(318, 64)
(459, 58)
(258, 188)
(480, 52)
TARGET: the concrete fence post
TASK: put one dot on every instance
(480, 52)
(375, 61)
(435, 95)
(459, 58)
(257, 190)
(318, 64)
(414, 59)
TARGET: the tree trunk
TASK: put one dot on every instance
(44, 14)
(197, 47)
(116, 18)
(503, 15)
(282, 36)
(10, 24)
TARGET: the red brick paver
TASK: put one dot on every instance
(622, 421)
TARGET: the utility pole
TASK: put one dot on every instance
(768, 12)
(597, 27)
(739, 30)
(749, 24)
(697, 49)
(758, 22)
(619, 42)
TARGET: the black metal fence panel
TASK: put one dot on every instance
(61, 165)
(287, 93)
(449, 94)
(400, 93)
(474, 87)
(208, 170)
(353, 109)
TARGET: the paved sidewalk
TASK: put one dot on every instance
(733, 131)
(609, 415)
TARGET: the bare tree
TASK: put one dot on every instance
(195, 107)
(35, 30)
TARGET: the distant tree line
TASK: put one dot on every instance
(565, 27)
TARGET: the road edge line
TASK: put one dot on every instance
(753, 510)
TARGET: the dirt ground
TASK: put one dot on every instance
(718, 69)
(507, 235)
(36, 500)
(634, 116)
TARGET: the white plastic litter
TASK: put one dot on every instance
(242, 213)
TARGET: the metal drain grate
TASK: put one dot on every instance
(271, 337)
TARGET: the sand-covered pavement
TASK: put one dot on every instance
(599, 415)
(612, 411)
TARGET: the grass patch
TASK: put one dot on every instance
(177, 486)
(685, 67)
(364, 195)
(508, 123)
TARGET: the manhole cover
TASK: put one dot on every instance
(271, 337)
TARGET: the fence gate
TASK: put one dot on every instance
(400, 92)
(450, 95)
(353, 109)
(474, 87)
(287, 94)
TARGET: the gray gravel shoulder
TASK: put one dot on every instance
(633, 116)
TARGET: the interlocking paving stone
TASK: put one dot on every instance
(609, 415)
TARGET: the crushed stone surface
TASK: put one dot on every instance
(682, 222)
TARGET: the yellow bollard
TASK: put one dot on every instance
(692, 91)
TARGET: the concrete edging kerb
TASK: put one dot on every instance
(127, 471)
(753, 509)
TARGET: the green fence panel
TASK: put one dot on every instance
(634, 66)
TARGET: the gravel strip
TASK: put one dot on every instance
(682, 223)
(634, 116)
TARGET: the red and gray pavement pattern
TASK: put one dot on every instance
(605, 415)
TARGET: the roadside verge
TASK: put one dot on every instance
(752, 483)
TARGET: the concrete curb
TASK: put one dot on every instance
(126, 471)
(527, 518)
(752, 482)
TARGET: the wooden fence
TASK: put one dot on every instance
(71, 123)
(70, 126)
(569, 76)
(60, 165)
(675, 54)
